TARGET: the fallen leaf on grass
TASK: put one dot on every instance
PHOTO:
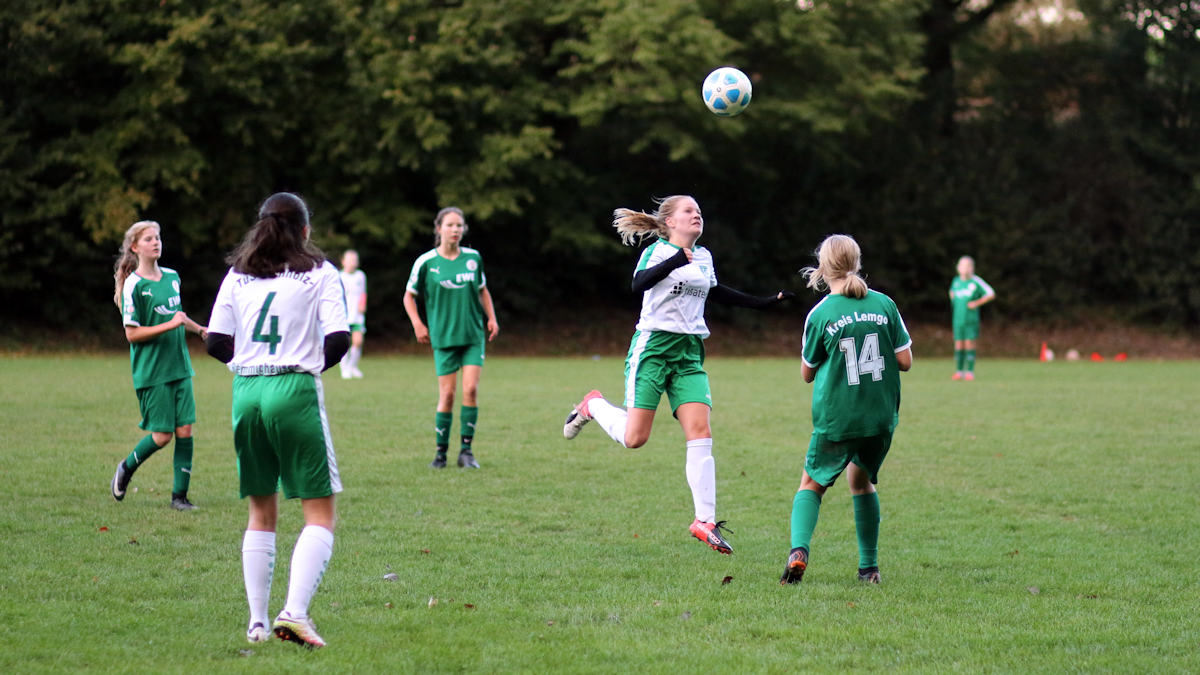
(1087, 596)
(1012, 553)
(1033, 590)
(726, 580)
(425, 551)
(549, 623)
(850, 605)
(245, 652)
(658, 603)
(432, 601)
(133, 540)
(104, 528)
(635, 535)
(743, 473)
(387, 605)
(685, 616)
(468, 605)
(391, 576)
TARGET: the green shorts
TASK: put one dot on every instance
(966, 331)
(451, 359)
(358, 328)
(281, 435)
(827, 459)
(166, 406)
(670, 363)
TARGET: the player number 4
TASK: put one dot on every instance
(272, 338)
(866, 361)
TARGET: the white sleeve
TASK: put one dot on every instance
(128, 312)
(331, 310)
(987, 290)
(223, 320)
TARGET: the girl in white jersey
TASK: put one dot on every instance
(354, 281)
(279, 321)
(666, 355)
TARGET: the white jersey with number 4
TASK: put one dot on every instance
(676, 304)
(279, 324)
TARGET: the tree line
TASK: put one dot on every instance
(1054, 140)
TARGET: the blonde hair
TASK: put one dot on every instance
(127, 260)
(437, 223)
(638, 225)
(838, 257)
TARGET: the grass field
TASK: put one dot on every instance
(1038, 519)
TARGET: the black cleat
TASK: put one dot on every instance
(869, 575)
(439, 461)
(466, 460)
(120, 481)
(179, 502)
(796, 564)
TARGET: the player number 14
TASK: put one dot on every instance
(866, 361)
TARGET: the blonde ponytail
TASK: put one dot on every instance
(127, 260)
(838, 257)
(638, 225)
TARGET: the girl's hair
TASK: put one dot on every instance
(638, 225)
(838, 257)
(127, 260)
(437, 223)
(277, 241)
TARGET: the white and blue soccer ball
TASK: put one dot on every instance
(726, 91)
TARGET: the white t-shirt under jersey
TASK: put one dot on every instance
(279, 324)
(676, 304)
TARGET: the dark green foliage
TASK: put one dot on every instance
(1070, 172)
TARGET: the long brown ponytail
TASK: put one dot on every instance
(277, 241)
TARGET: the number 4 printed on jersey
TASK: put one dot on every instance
(866, 361)
(273, 338)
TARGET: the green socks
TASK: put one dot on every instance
(866, 524)
(183, 464)
(969, 360)
(441, 425)
(469, 415)
(806, 506)
(960, 357)
(141, 452)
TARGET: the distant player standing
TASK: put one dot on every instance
(450, 280)
(855, 345)
(355, 283)
(666, 355)
(152, 310)
(968, 292)
(279, 321)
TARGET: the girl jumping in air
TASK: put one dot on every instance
(855, 345)
(152, 310)
(666, 355)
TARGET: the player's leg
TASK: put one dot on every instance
(447, 363)
(258, 563)
(258, 475)
(472, 371)
(960, 354)
(185, 416)
(158, 417)
(356, 347)
(701, 473)
(823, 464)
(969, 352)
(308, 470)
(866, 522)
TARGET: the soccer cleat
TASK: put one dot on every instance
(710, 533)
(356, 373)
(347, 373)
(869, 575)
(796, 564)
(969, 376)
(301, 631)
(439, 461)
(120, 481)
(957, 376)
(179, 502)
(257, 633)
(579, 416)
(466, 460)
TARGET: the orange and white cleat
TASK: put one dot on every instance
(957, 376)
(298, 630)
(796, 564)
(710, 533)
(579, 416)
(969, 376)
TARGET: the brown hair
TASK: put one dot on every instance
(838, 257)
(437, 223)
(638, 225)
(277, 242)
(127, 260)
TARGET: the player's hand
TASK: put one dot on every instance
(687, 252)
(493, 329)
(178, 319)
(203, 332)
(784, 295)
(422, 334)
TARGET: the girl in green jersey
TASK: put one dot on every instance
(152, 311)
(968, 292)
(855, 345)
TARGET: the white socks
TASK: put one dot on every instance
(258, 565)
(350, 360)
(702, 478)
(309, 559)
(610, 418)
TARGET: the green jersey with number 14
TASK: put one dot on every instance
(279, 324)
(853, 343)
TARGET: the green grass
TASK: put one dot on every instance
(1040, 518)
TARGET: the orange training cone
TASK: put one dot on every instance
(1120, 356)
(1096, 356)
(1044, 355)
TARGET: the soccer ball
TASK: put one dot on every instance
(726, 91)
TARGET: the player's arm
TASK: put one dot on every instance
(904, 359)
(731, 296)
(147, 333)
(219, 346)
(988, 295)
(489, 309)
(219, 341)
(644, 279)
(193, 327)
(414, 315)
(809, 373)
